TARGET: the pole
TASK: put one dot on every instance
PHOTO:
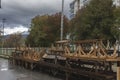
(118, 70)
(62, 15)
(3, 22)
(118, 2)
(118, 62)
(0, 3)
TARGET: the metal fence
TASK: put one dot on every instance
(6, 51)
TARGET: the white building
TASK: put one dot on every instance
(75, 5)
(116, 2)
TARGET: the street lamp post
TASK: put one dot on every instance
(62, 16)
(3, 22)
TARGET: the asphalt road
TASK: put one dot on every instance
(10, 72)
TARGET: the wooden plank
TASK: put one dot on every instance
(118, 73)
(87, 41)
(112, 60)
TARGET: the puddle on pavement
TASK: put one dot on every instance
(4, 69)
(24, 77)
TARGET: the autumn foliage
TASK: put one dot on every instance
(46, 29)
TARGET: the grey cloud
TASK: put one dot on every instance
(20, 12)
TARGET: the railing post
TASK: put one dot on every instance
(118, 62)
(118, 70)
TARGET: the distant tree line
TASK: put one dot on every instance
(99, 19)
(12, 40)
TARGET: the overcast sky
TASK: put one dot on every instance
(18, 13)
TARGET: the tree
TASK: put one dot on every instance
(45, 30)
(116, 28)
(94, 21)
(36, 32)
(54, 22)
(13, 40)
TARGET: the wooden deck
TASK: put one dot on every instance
(90, 58)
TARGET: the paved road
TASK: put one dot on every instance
(9, 72)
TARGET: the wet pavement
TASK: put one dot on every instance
(10, 72)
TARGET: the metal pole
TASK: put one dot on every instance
(118, 2)
(0, 3)
(3, 21)
(62, 15)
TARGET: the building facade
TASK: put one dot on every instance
(116, 2)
